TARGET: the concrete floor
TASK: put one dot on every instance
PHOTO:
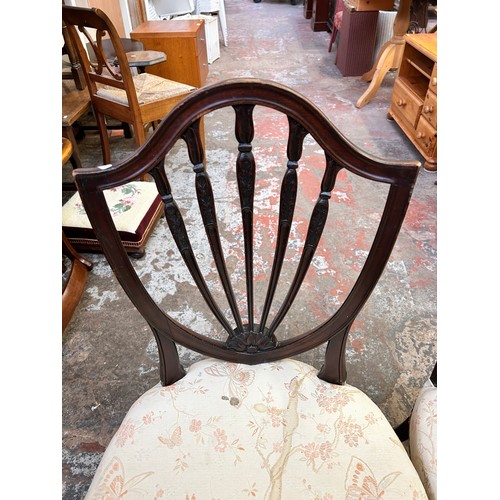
(109, 356)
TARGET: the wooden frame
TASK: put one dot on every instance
(251, 342)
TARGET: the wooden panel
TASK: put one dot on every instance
(370, 5)
(183, 42)
(319, 15)
(113, 11)
(429, 111)
(405, 104)
(426, 136)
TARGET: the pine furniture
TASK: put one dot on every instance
(414, 98)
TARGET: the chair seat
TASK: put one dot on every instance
(135, 209)
(149, 88)
(423, 438)
(272, 430)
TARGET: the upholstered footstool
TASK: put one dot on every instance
(135, 209)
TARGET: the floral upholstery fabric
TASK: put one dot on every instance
(270, 431)
(149, 88)
(423, 438)
(128, 206)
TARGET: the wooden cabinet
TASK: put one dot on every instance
(319, 16)
(184, 43)
(414, 98)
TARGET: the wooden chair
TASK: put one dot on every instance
(249, 419)
(138, 100)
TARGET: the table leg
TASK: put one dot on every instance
(389, 56)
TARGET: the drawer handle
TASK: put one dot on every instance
(428, 109)
(420, 135)
(434, 81)
(202, 39)
(401, 102)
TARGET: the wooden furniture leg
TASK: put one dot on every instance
(75, 284)
(389, 56)
(80, 266)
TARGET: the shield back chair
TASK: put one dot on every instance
(139, 100)
(249, 418)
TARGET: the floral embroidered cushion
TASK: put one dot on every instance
(423, 438)
(269, 431)
(135, 208)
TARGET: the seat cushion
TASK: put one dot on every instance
(135, 208)
(423, 438)
(149, 88)
(266, 431)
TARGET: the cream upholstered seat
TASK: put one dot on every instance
(274, 430)
(423, 438)
(249, 419)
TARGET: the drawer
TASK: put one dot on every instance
(201, 50)
(426, 136)
(433, 84)
(405, 103)
(430, 108)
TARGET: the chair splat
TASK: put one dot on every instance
(252, 340)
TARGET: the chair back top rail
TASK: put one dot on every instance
(252, 340)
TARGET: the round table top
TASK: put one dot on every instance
(141, 58)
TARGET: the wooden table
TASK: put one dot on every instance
(389, 56)
(140, 59)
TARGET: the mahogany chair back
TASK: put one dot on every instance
(250, 337)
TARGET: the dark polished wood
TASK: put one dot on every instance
(249, 341)
(319, 15)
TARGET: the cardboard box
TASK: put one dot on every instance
(367, 5)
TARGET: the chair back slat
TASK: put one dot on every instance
(177, 227)
(206, 202)
(314, 232)
(245, 174)
(296, 136)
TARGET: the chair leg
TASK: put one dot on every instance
(103, 134)
(332, 39)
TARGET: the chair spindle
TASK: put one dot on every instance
(206, 203)
(177, 227)
(296, 136)
(314, 232)
(245, 173)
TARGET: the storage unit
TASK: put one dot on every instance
(414, 98)
(357, 41)
(211, 34)
(184, 43)
(319, 16)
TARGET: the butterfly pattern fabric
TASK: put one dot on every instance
(270, 431)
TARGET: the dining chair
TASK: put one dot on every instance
(250, 419)
(138, 100)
